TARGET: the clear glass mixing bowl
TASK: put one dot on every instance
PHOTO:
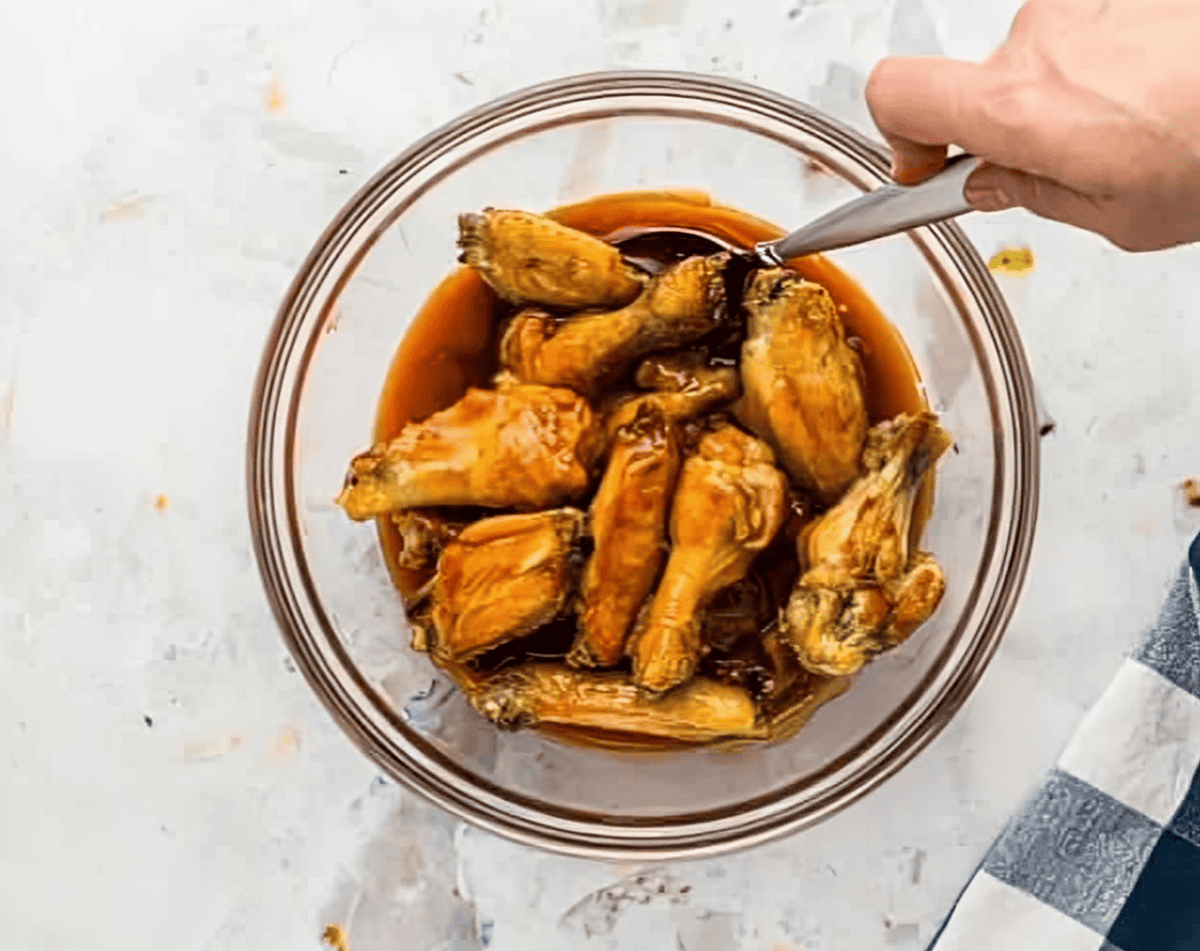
(315, 403)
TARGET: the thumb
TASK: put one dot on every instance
(994, 188)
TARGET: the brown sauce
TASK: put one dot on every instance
(452, 344)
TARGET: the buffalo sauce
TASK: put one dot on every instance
(452, 345)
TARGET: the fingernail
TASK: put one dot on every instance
(986, 199)
(984, 191)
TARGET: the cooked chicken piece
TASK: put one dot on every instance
(728, 505)
(502, 578)
(529, 259)
(687, 371)
(423, 535)
(589, 351)
(914, 598)
(861, 591)
(802, 383)
(700, 711)
(865, 536)
(629, 525)
(685, 387)
(521, 447)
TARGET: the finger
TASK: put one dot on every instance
(1009, 117)
(992, 188)
(913, 100)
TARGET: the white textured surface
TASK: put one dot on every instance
(168, 782)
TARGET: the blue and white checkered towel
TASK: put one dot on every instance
(1106, 855)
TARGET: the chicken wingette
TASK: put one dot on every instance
(802, 383)
(530, 259)
(523, 447)
(862, 590)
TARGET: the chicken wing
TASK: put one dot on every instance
(503, 577)
(685, 386)
(629, 526)
(700, 711)
(862, 590)
(728, 505)
(530, 259)
(521, 447)
(802, 383)
(588, 351)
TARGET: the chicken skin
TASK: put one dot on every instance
(530, 259)
(802, 383)
(523, 447)
(684, 387)
(729, 504)
(629, 527)
(502, 578)
(862, 591)
(588, 351)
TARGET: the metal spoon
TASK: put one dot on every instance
(877, 214)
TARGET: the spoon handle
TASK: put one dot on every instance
(884, 211)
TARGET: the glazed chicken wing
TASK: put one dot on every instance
(700, 711)
(802, 383)
(520, 447)
(685, 386)
(588, 351)
(728, 505)
(502, 578)
(530, 259)
(629, 526)
(862, 591)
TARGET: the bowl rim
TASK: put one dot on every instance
(637, 839)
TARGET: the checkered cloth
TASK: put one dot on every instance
(1106, 855)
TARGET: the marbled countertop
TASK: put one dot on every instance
(168, 780)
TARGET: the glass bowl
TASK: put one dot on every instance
(315, 402)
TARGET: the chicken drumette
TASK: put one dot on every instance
(629, 526)
(862, 591)
(588, 351)
(728, 505)
(802, 384)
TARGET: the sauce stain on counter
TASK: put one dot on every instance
(335, 937)
(210, 748)
(1191, 492)
(1012, 261)
(285, 745)
(8, 404)
(161, 503)
(130, 206)
(275, 99)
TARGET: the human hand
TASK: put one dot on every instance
(1088, 113)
